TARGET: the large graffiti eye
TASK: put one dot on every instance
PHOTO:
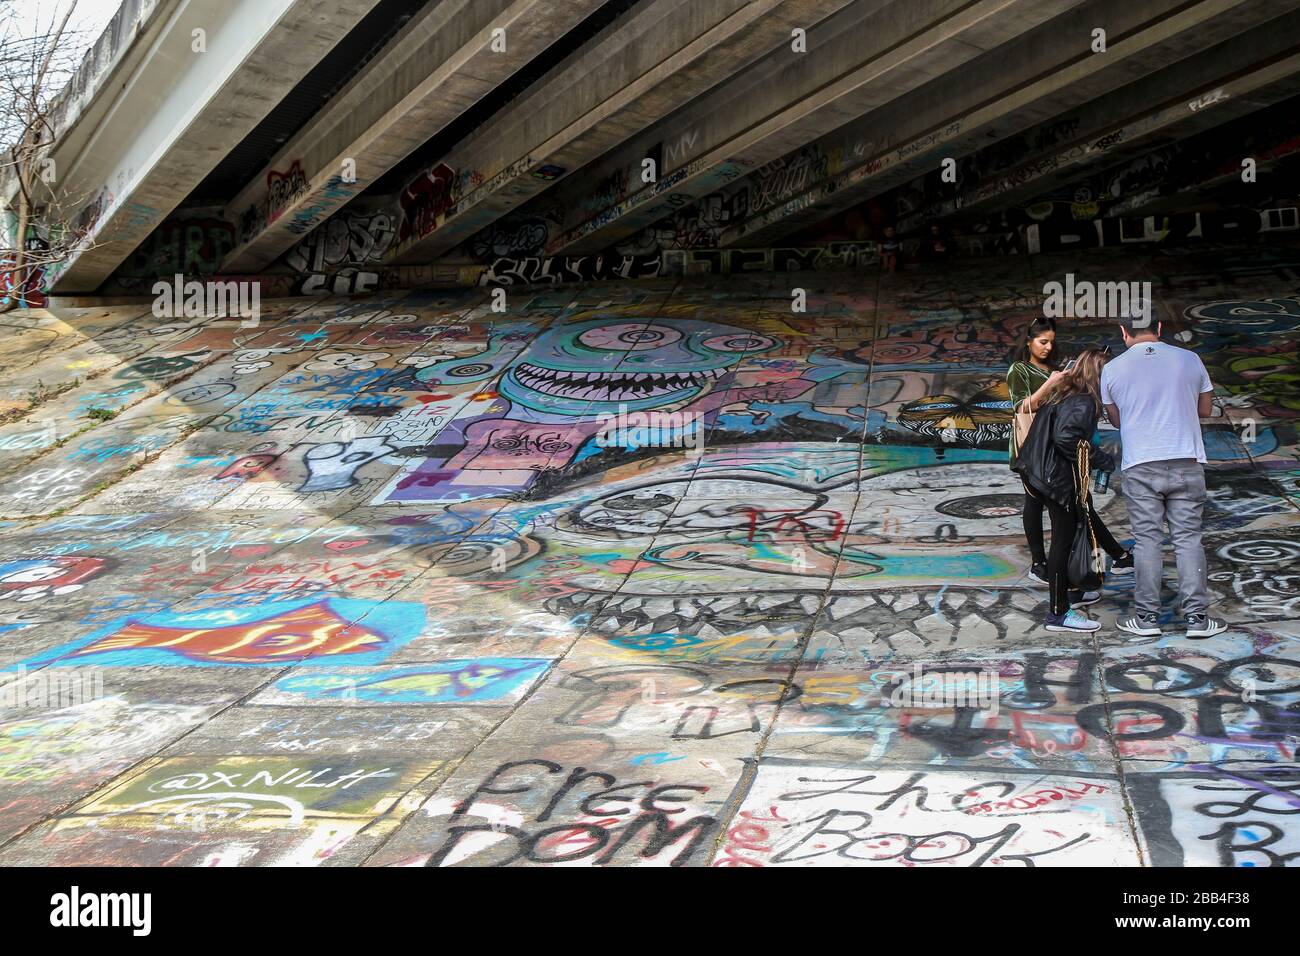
(639, 502)
(633, 512)
(739, 343)
(629, 335)
(467, 371)
(982, 506)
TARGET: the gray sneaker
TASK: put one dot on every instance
(1202, 625)
(1084, 598)
(1143, 625)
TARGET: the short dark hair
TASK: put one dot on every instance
(1139, 318)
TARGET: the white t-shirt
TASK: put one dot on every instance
(1156, 388)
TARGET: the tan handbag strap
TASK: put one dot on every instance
(1083, 469)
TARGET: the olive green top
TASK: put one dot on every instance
(1023, 380)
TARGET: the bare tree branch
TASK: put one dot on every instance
(44, 226)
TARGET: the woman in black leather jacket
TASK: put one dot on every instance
(1067, 415)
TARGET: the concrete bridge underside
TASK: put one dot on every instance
(382, 138)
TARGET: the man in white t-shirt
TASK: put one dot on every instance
(1156, 394)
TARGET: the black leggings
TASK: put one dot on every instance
(1032, 517)
(1064, 525)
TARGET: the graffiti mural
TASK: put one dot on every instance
(551, 400)
(984, 418)
(628, 574)
(296, 633)
(26, 285)
(191, 246)
(346, 239)
(474, 681)
(307, 810)
(512, 237)
(809, 815)
(34, 579)
(423, 200)
(282, 188)
(548, 270)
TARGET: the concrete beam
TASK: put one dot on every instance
(1152, 201)
(791, 99)
(181, 110)
(438, 66)
(1213, 91)
(638, 72)
(1141, 42)
(81, 105)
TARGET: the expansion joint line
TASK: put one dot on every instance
(750, 771)
(448, 770)
(1129, 812)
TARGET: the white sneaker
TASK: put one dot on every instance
(1201, 625)
(1143, 625)
(1122, 565)
(1071, 620)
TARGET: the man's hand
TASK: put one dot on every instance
(1112, 415)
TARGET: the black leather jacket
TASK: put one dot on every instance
(1047, 460)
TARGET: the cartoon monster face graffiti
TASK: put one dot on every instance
(589, 367)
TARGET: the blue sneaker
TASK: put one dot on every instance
(1072, 620)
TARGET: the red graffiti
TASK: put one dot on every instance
(283, 188)
(26, 284)
(25, 287)
(50, 573)
(297, 635)
(749, 835)
(247, 467)
(424, 199)
(793, 524)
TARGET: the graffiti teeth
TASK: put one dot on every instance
(610, 386)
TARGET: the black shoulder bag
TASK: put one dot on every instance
(1085, 568)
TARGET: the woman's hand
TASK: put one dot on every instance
(1036, 399)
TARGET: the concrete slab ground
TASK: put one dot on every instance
(373, 583)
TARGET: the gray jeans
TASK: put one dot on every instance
(1157, 491)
